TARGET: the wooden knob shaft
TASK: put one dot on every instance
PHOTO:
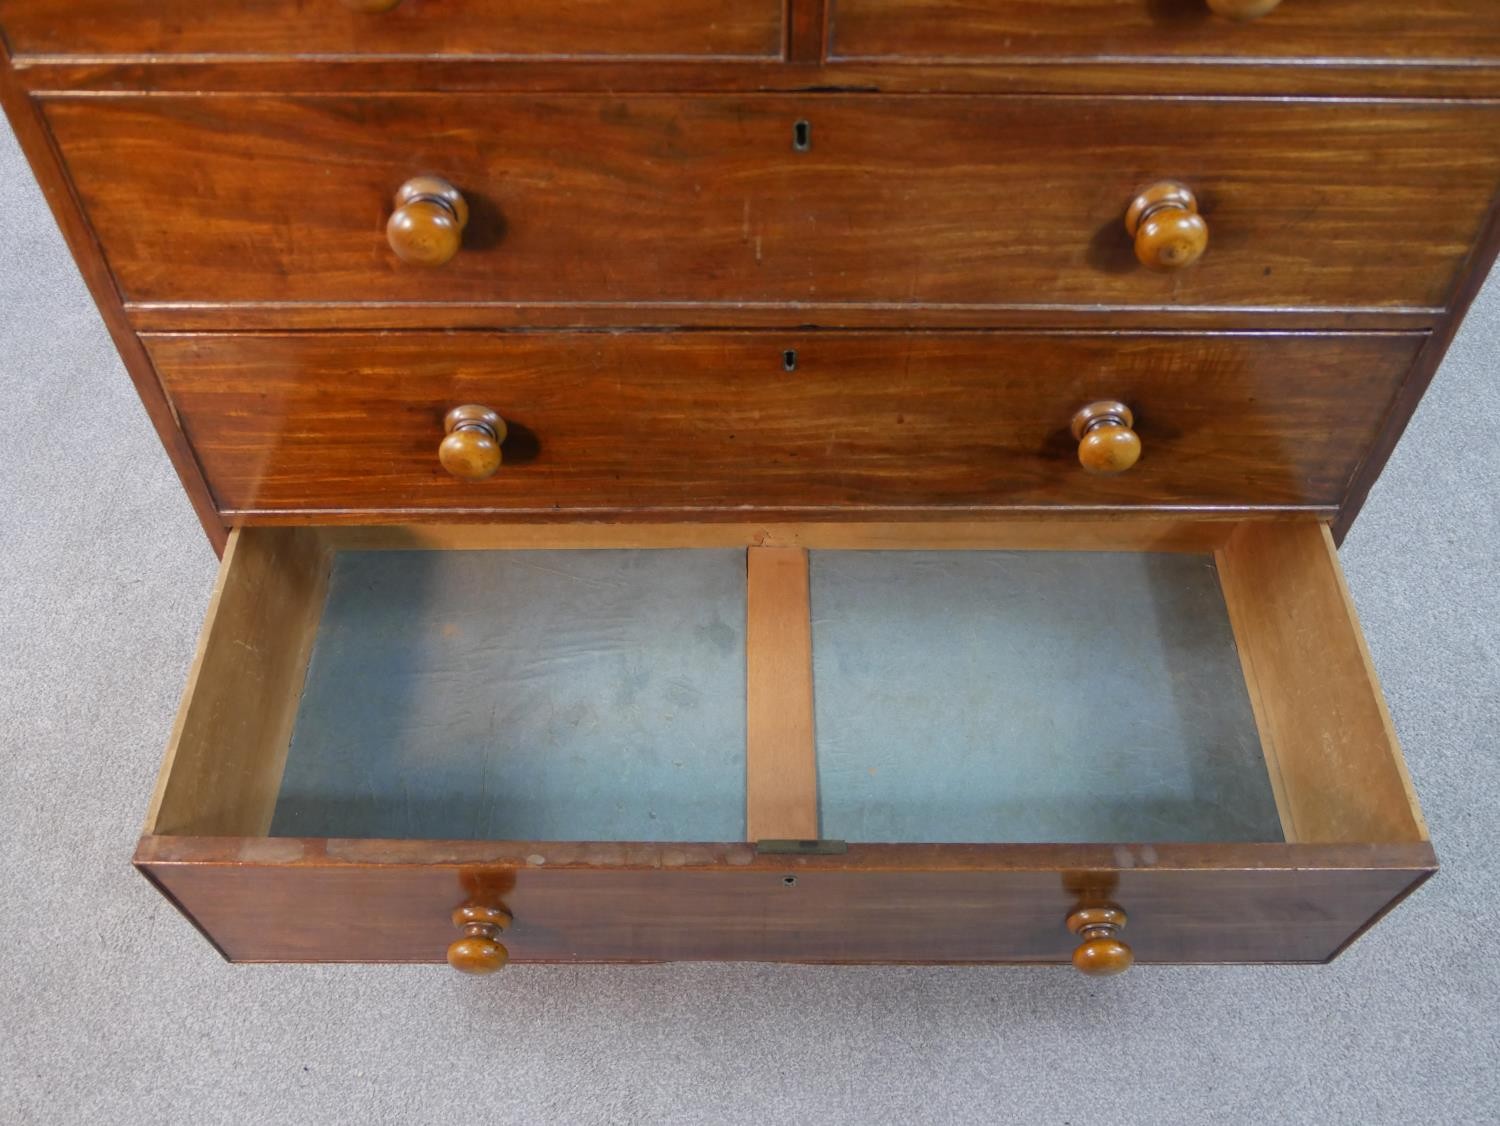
(427, 227)
(471, 450)
(1101, 953)
(479, 951)
(370, 5)
(1106, 441)
(1168, 231)
(1243, 9)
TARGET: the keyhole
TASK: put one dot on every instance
(789, 360)
(802, 136)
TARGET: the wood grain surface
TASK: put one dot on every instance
(242, 693)
(210, 316)
(666, 202)
(690, 206)
(1162, 31)
(1197, 533)
(414, 28)
(781, 775)
(1323, 720)
(673, 421)
(456, 74)
(289, 898)
(285, 899)
(1345, 47)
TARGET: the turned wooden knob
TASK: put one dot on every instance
(1101, 953)
(1168, 231)
(427, 227)
(479, 951)
(1106, 441)
(1243, 9)
(471, 450)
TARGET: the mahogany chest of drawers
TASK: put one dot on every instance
(804, 480)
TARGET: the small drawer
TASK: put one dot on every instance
(503, 29)
(1160, 31)
(699, 210)
(355, 422)
(1025, 741)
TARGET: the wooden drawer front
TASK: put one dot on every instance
(602, 421)
(1157, 30)
(370, 739)
(488, 28)
(898, 202)
(285, 900)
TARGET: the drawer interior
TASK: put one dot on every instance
(523, 695)
(991, 697)
(1047, 681)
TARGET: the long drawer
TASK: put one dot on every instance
(807, 420)
(520, 29)
(1161, 30)
(668, 203)
(611, 755)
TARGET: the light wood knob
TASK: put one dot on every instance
(370, 5)
(479, 951)
(427, 226)
(471, 450)
(1107, 442)
(1243, 9)
(1168, 231)
(1101, 953)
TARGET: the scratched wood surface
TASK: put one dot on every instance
(663, 201)
(676, 421)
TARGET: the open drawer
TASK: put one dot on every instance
(920, 742)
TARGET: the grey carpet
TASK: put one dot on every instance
(112, 1009)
